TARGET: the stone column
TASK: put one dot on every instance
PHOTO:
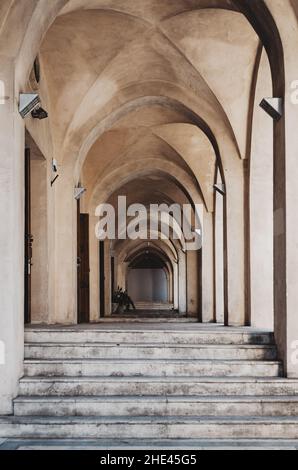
(94, 269)
(219, 259)
(261, 206)
(40, 252)
(285, 15)
(207, 269)
(192, 283)
(234, 237)
(65, 248)
(182, 282)
(12, 147)
(170, 284)
(108, 300)
(286, 195)
(175, 286)
(120, 275)
(289, 323)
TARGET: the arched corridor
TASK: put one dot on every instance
(155, 187)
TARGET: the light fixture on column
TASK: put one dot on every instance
(273, 107)
(53, 181)
(39, 113)
(54, 165)
(27, 103)
(78, 192)
(54, 170)
(220, 188)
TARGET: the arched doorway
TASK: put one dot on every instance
(147, 281)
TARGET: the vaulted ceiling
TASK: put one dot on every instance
(128, 82)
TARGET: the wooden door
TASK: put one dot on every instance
(112, 276)
(83, 269)
(28, 239)
(102, 277)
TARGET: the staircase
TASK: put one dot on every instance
(152, 306)
(184, 384)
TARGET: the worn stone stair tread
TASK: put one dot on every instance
(134, 319)
(161, 385)
(154, 333)
(66, 420)
(194, 427)
(150, 360)
(150, 444)
(149, 345)
(212, 327)
(180, 378)
(161, 351)
(158, 398)
(100, 326)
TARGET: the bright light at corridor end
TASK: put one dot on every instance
(158, 221)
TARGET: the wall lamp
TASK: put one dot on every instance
(27, 103)
(39, 113)
(273, 107)
(54, 170)
(30, 103)
(220, 188)
(53, 181)
(54, 165)
(78, 192)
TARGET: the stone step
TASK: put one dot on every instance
(149, 306)
(149, 444)
(31, 427)
(142, 386)
(139, 318)
(151, 367)
(156, 406)
(160, 334)
(155, 351)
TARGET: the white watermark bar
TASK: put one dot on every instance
(158, 221)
